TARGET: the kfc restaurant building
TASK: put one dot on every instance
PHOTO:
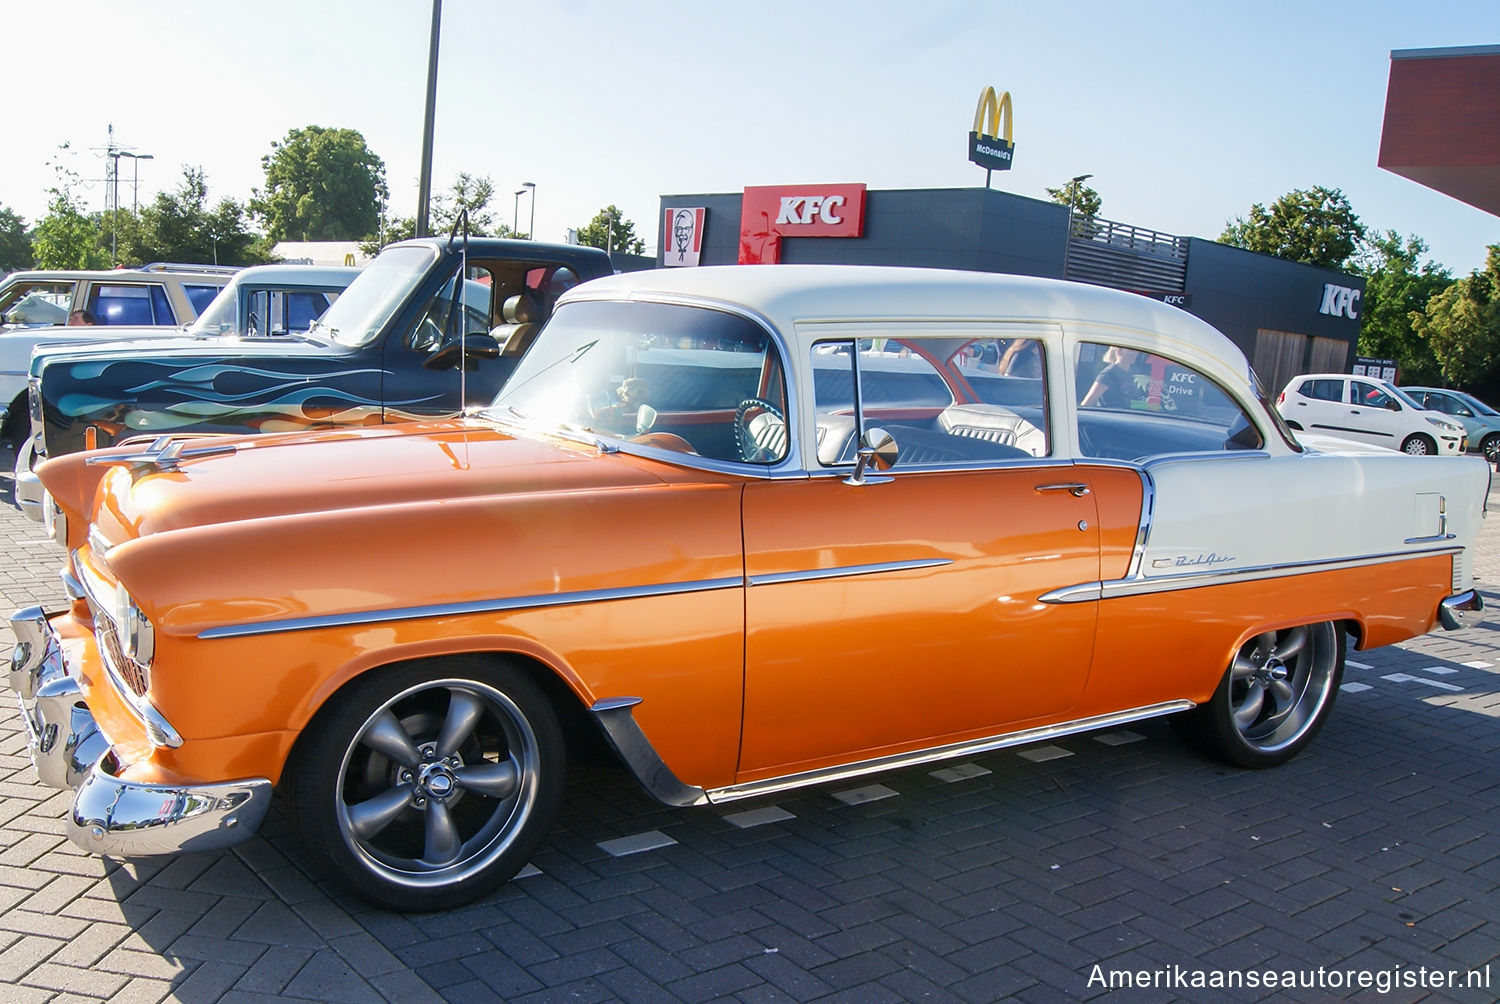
(1288, 318)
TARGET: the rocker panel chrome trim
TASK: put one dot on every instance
(968, 748)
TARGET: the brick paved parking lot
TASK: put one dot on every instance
(1011, 875)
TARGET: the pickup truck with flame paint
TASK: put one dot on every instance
(388, 350)
(756, 527)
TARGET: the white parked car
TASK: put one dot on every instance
(1368, 410)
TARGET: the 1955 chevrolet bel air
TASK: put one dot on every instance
(757, 526)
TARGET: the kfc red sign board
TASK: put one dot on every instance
(770, 212)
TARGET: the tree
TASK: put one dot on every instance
(181, 227)
(466, 192)
(1316, 227)
(321, 185)
(1462, 324)
(1396, 288)
(67, 237)
(608, 230)
(1085, 200)
(15, 242)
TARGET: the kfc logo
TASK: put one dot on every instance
(1340, 301)
(810, 209)
(770, 213)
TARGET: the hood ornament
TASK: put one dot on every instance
(166, 453)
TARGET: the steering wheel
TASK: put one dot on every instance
(759, 431)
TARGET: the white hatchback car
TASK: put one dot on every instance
(1369, 410)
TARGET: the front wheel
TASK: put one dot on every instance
(427, 786)
(1491, 447)
(1418, 445)
(1274, 696)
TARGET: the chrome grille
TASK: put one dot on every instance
(106, 633)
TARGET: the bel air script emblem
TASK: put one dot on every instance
(1193, 561)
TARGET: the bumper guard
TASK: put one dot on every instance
(111, 815)
(1462, 610)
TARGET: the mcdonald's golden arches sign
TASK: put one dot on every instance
(990, 145)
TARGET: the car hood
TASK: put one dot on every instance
(141, 347)
(257, 478)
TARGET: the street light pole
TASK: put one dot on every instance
(135, 189)
(531, 228)
(424, 180)
(1072, 197)
(515, 213)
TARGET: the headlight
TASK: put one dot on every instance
(1447, 427)
(137, 636)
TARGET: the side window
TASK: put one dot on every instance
(931, 405)
(440, 320)
(200, 296)
(304, 308)
(37, 303)
(1135, 405)
(141, 305)
(1323, 390)
(1368, 395)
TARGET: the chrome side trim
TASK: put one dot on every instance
(498, 605)
(1137, 586)
(616, 716)
(1143, 533)
(131, 818)
(1461, 611)
(968, 748)
(778, 578)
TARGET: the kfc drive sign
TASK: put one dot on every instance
(769, 213)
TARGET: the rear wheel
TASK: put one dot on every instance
(1419, 445)
(1273, 698)
(428, 786)
(1491, 447)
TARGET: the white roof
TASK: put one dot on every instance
(793, 295)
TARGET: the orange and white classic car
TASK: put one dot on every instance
(760, 527)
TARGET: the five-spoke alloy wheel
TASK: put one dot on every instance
(1274, 697)
(428, 786)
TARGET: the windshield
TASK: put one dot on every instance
(685, 378)
(362, 310)
(1476, 404)
(219, 317)
(1404, 397)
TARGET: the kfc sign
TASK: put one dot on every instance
(769, 213)
(1340, 301)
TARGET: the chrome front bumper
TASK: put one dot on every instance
(1462, 610)
(111, 815)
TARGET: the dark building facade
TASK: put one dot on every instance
(1288, 318)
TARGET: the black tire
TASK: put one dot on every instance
(17, 426)
(1418, 445)
(428, 785)
(1490, 447)
(1273, 698)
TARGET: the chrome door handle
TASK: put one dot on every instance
(1077, 489)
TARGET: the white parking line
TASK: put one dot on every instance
(1408, 678)
(1119, 737)
(758, 817)
(1354, 688)
(869, 793)
(635, 843)
(1040, 754)
(1357, 665)
(1479, 664)
(1439, 670)
(961, 772)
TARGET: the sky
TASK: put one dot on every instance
(1185, 114)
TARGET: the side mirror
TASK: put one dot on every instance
(878, 449)
(1391, 404)
(645, 418)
